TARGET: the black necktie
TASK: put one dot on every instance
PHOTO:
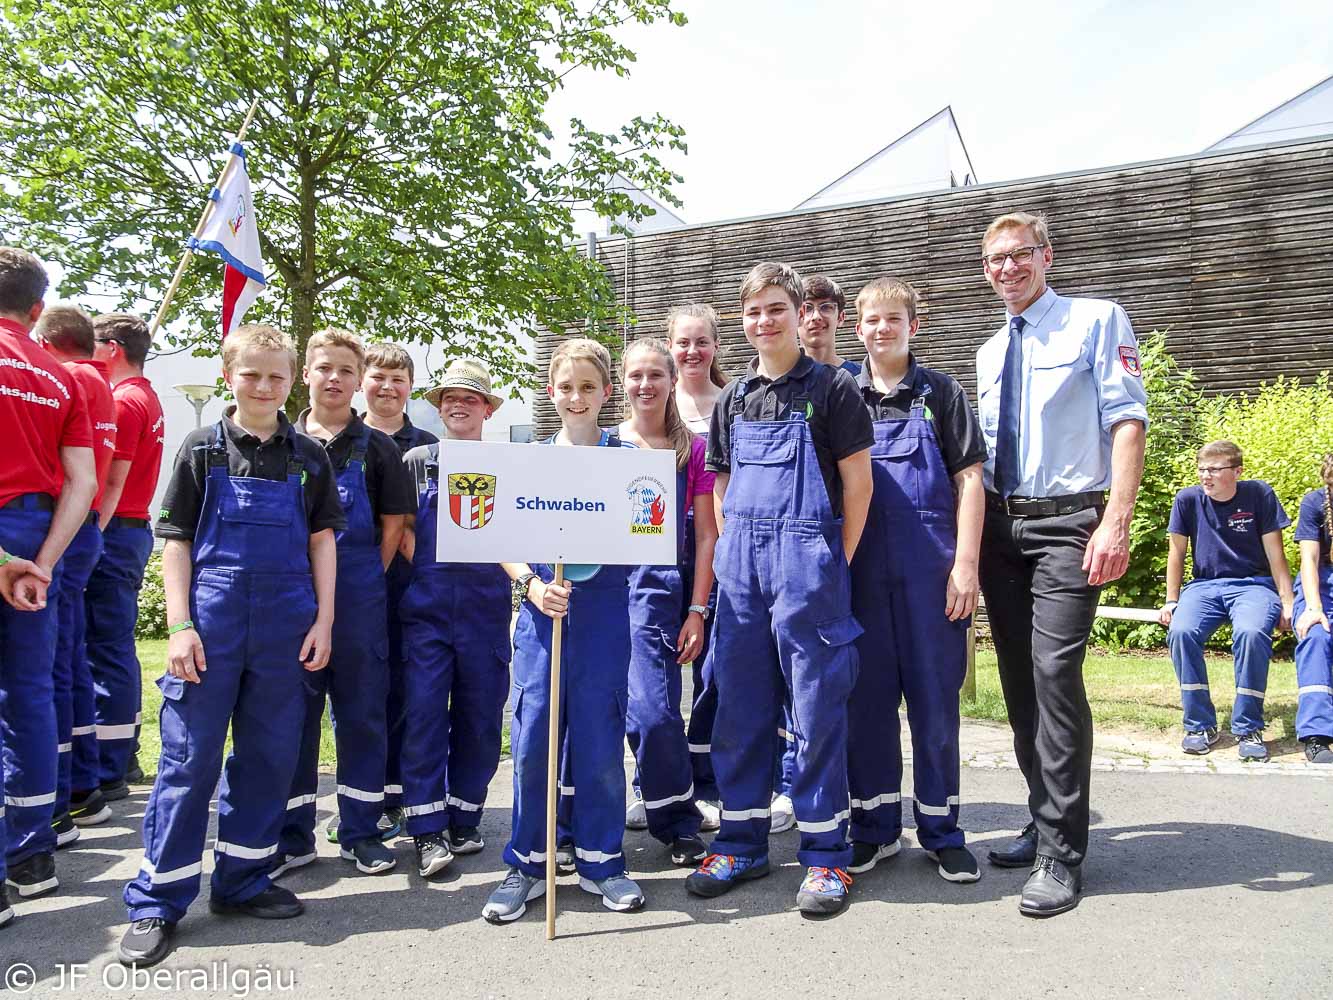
(1007, 474)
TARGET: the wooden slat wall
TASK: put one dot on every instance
(1232, 253)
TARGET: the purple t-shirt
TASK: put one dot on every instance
(698, 480)
(1226, 538)
(1310, 526)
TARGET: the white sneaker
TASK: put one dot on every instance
(782, 816)
(711, 813)
(636, 816)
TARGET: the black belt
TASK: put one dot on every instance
(31, 501)
(127, 522)
(1045, 506)
(90, 519)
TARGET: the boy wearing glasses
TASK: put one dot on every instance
(1233, 526)
(822, 312)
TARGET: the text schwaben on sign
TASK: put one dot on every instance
(547, 504)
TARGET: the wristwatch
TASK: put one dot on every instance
(519, 592)
(701, 608)
(1170, 605)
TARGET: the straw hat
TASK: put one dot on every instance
(465, 373)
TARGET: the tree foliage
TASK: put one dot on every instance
(404, 178)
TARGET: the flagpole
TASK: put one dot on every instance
(553, 760)
(203, 221)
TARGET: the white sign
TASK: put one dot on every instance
(538, 503)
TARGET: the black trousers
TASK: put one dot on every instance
(1041, 610)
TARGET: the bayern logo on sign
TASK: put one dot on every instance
(471, 499)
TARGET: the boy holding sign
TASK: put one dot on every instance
(790, 442)
(456, 637)
(596, 663)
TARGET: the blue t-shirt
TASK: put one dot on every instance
(1227, 537)
(1310, 526)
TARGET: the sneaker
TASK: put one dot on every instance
(6, 911)
(284, 863)
(956, 864)
(510, 899)
(391, 823)
(1318, 749)
(274, 903)
(134, 773)
(331, 830)
(719, 873)
(114, 791)
(636, 816)
(433, 854)
(371, 856)
(711, 811)
(782, 817)
(619, 892)
(89, 808)
(66, 831)
(866, 855)
(824, 892)
(34, 877)
(1251, 746)
(146, 942)
(688, 851)
(564, 859)
(1199, 741)
(465, 840)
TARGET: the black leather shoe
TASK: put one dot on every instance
(1020, 852)
(274, 903)
(147, 942)
(1053, 887)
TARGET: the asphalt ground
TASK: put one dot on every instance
(1197, 884)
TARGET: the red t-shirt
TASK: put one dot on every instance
(41, 411)
(140, 432)
(91, 378)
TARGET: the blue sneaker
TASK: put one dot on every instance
(824, 892)
(1251, 747)
(1199, 741)
(719, 872)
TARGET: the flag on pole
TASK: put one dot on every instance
(232, 234)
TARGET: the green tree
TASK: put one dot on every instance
(403, 169)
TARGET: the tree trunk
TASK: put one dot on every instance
(303, 325)
(304, 292)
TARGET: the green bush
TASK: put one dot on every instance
(152, 602)
(1174, 412)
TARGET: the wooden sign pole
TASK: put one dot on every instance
(553, 760)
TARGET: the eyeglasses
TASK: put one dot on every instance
(995, 261)
(826, 309)
(1214, 470)
(111, 340)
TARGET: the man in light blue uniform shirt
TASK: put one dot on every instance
(1064, 414)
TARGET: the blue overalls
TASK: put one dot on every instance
(355, 680)
(1314, 663)
(699, 729)
(910, 648)
(456, 641)
(75, 707)
(252, 601)
(111, 604)
(594, 694)
(396, 580)
(27, 706)
(784, 627)
(656, 731)
(1253, 607)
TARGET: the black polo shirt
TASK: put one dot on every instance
(956, 426)
(410, 436)
(247, 456)
(839, 424)
(387, 481)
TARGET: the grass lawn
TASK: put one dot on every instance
(1127, 691)
(1139, 692)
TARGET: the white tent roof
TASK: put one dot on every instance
(1308, 115)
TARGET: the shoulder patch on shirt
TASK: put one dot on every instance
(1129, 358)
